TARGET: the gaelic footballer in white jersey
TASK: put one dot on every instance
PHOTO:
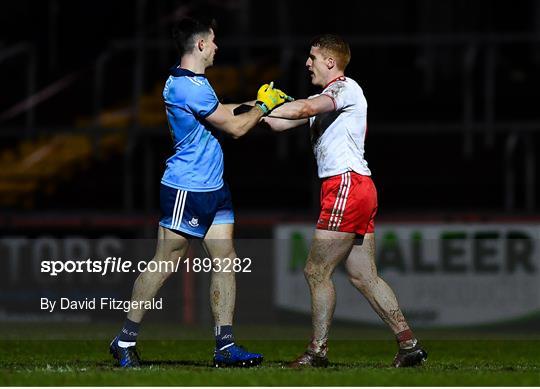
(337, 120)
(338, 136)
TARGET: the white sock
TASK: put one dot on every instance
(126, 344)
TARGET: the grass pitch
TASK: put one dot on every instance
(354, 362)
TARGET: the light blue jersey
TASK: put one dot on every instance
(197, 163)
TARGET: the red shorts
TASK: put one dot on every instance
(348, 204)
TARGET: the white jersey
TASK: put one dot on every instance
(338, 136)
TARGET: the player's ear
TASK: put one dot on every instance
(330, 62)
(200, 44)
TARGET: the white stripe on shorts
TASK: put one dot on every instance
(335, 207)
(175, 209)
(183, 200)
(178, 209)
(342, 207)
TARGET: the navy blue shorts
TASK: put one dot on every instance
(193, 213)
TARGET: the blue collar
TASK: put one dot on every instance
(175, 71)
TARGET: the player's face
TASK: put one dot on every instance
(316, 66)
(211, 48)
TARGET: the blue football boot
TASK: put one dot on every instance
(236, 356)
(126, 356)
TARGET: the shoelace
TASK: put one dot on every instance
(132, 355)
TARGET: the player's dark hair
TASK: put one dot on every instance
(336, 46)
(186, 30)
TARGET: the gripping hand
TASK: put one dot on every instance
(269, 98)
(284, 95)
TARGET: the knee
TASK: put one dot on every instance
(153, 278)
(315, 272)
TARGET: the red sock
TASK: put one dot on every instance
(405, 339)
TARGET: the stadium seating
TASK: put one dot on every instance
(43, 165)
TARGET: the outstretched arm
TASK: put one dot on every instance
(279, 124)
(304, 108)
(236, 126)
(232, 107)
(298, 112)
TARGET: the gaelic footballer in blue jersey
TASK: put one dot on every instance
(197, 162)
(193, 195)
(194, 200)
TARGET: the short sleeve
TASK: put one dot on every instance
(337, 92)
(312, 118)
(202, 99)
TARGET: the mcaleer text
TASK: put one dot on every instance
(92, 304)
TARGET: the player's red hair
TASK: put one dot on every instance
(335, 47)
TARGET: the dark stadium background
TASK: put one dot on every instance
(448, 86)
(452, 87)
